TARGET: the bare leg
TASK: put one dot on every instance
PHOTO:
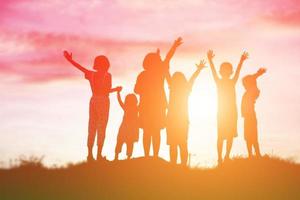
(173, 154)
(146, 142)
(129, 149)
(101, 137)
(257, 150)
(220, 149)
(90, 153)
(249, 147)
(91, 137)
(228, 148)
(183, 154)
(118, 149)
(156, 142)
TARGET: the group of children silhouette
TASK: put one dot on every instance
(152, 112)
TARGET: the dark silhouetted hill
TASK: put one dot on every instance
(265, 178)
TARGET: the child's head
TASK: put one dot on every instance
(152, 61)
(101, 63)
(226, 70)
(131, 100)
(249, 82)
(178, 80)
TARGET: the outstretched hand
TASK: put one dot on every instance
(244, 56)
(68, 55)
(201, 65)
(119, 88)
(261, 71)
(210, 54)
(177, 42)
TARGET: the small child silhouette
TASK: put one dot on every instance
(100, 82)
(227, 109)
(129, 129)
(177, 116)
(248, 111)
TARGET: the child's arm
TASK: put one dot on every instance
(68, 56)
(171, 52)
(244, 56)
(200, 66)
(167, 75)
(166, 62)
(260, 72)
(210, 56)
(116, 89)
(119, 98)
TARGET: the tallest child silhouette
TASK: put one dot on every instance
(153, 102)
(227, 108)
(100, 82)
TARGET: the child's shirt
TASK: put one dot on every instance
(130, 114)
(150, 87)
(226, 97)
(178, 103)
(100, 82)
(248, 103)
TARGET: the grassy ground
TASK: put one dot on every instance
(265, 178)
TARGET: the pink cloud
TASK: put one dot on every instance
(42, 60)
(34, 33)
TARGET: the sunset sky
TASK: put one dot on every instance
(44, 100)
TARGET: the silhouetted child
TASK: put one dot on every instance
(153, 103)
(177, 116)
(129, 129)
(248, 111)
(100, 82)
(227, 109)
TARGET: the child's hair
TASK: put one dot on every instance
(151, 60)
(131, 100)
(249, 82)
(178, 80)
(226, 69)
(101, 63)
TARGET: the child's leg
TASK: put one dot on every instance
(91, 130)
(118, 149)
(103, 113)
(173, 154)
(146, 142)
(100, 139)
(129, 149)
(249, 147)
(228, 148)
(183, 153)
(156, 142)
(257, 150)
(220, 149)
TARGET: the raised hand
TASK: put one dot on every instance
(201, 65)
(210, 55)
(245, 56)
(261, 71)
(177, 42)
(158, 51)
(68, 55)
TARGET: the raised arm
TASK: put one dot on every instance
(210, 56)
(260, 72)
(244, 56)
(171, 52)
(69, 58)
(119, 97)
(200, 66)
